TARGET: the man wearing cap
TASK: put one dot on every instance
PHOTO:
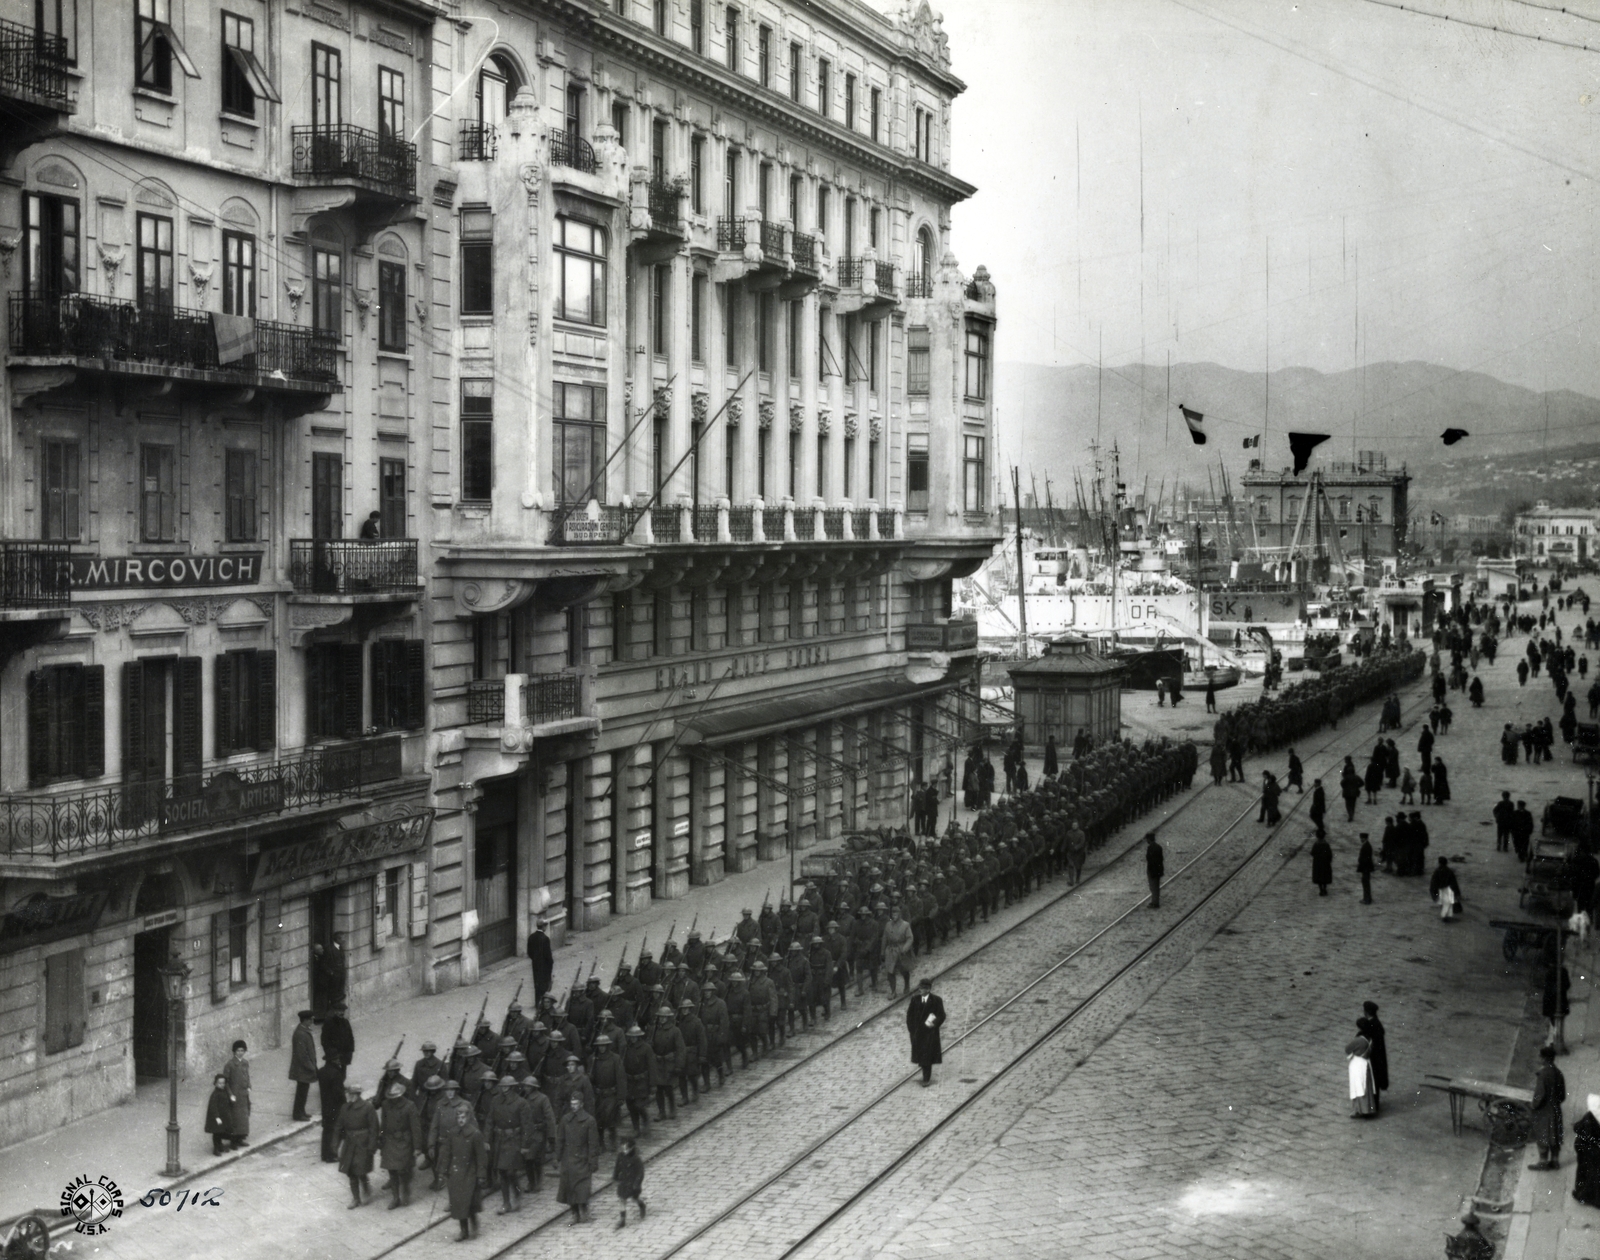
(610, 1083)
(480, 1111)
(667, 1044)
(432, 1096)
(302, 1064)
(696, 1049)
(573, 1080)
(400, 1142)
(639, 1066)
(819, 969)
(648, 971)
(516, 1025)
(330, 1093)
(714, 1018)
(338, 1038)
(517, 1067)
(472, 1076)
(924, 1018)
(483, 1036)
(506, 1047)
(540, 1118)
(543, 959)
(510, 1134)
(356, 1132)
(799, 968)
(578, 1149)
(392, 1075)
(694, 953)
(428, 1065)
(761, 998)
(1549, 1093)
(462, 1164)
(897, 951)
(553, 1067)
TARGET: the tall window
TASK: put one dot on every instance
(824, 85)
(392, 498)
(579, 454)
(764, 55)
(796, 71)
(922, 260)
(660, 15)
(392, 306)
(730, 185)
(918, 361)
(849, 465)
(822, 465)
(733, 38)
(977, 363)
(916, 472)
(50, 259)
(794, 463)
(574, 116)
(327, 291)
(477, 439)
(658, 150)
(238, 273)
(922, 135)
(659, 449)
(581, 256)
(399, 683)
(697, 26)
(60, 491)
(696, 432)
(64, 1020)
(764, 190)
(697, 317)
(391, 105)
(66, 723)
(795, 327)
(327, 495)
(155, 271)
(697, 164)
(477, 262)
(874, 225)
(59, 18)
(849, 227)
(766, 305)
(763, 454)
(156, 47)
(872, 468)
(795, 185)
(972, 479)
(246, 701)
(874, 354)
(822, 214)
(158, 494)
(619, 121)
(244, 78)
(874, 113)
(241, 484)
(822, 345)
(495, 83)
(659, 296)
(847, 348)
(730, 325)
(327, 86)
(850, 101)
(730, 459)
(238, 946)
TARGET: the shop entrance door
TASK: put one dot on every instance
(321, 934)
(494, 871)
(150, 953)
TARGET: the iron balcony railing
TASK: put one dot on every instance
(850, 272)
(88, 327)
(772, 240)
(742, 524)
(919, 286)
(35, 574)
(345, 152)
(353, 566)
(486, 701)
(863, 522)
(33, 65)
(478, 141)
(885, 278)
(568, 149)
(69, 824)
(545, 698)
(833, 523)
(805, 253)
(705, 524)
(665, 205)
(664, 524)
(805, 524)
(730, 235)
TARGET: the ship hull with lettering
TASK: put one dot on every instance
(1087, 613)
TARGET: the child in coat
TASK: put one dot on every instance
(629, 1176)
(219, 1113)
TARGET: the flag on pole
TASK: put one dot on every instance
(1252, 441)
(1301, 445)
(1452, 436)
(1193, 418)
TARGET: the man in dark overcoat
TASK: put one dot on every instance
(330, 1093)
(578, 1149)
(543, 959)
(338, 1038)
(1549, 1092)
(463, 1163)
(302, 1064)
(400, 1141)
(924, 1018)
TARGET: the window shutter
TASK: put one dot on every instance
(94, 721)
(268, 922)
(418, 920)
(63, 1001)
(223, 716)
(413, 715)
(188, 754)
(133, 719)
(219, 957)
(38, 728)
(382, 708)
(378, 934)
(350, 671)
(266, 701)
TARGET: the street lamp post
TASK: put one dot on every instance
(173, 976)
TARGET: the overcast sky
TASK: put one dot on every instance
(1403, 188)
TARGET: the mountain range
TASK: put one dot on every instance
(1520, 443)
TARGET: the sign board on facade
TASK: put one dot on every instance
(42, 919)
(224, 799)
(106, 573)
(681, 827)
(342, 847)
(163, 918)
(744, 665)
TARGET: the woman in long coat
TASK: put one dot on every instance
(463, 1163)
(578, 1156)
(1363, 1087)
(1441, 782)
(356, 1132)
(237, 1073)
(1321, 865)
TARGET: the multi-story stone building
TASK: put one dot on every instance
(714, 438)
(212, 469)
(1365, 501)
(1555, 535)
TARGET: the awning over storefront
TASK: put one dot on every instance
(755, 720)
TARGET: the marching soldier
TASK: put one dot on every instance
(392, 1075)
(400, 1142)
(539, 1119)
(696, 1046)
(819, 968)
(763, 997)
(639, 1068)
(572, 1081)
(670, 1054)
(485, 1039)
(738, 1003)
(510, 1140)
(432, 1095)
(799, 985)
(714, 1015)
(610, 1084)
(428, 1065)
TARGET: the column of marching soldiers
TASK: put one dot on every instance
(665, 1027)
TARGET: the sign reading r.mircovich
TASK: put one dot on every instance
(343, 846)
(108, 573)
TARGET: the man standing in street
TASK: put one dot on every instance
(1504, 812)
(1321, 865)
(302, 1064)
(338, 1038)
(543, 959)
(1549, 1092)
(924, 1018)
(1319, 807)
(1364, 868)
(1154, 867)
(330, 1093)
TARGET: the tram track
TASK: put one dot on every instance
(709, 1126)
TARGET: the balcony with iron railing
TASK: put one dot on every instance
(805, 254)
(665, 200)
(354, 567)
(664, 524)
(772, 235)
(35, 575)
(62, 825)
(116, 335)
(478, 141)
(730, 235)
(705, 523)
(346, 154)
(919, 286)
(885, 278)
(833, 523)
(742, 524)
(33, 70)
(545, 698)
(863, 522)
(572, 151)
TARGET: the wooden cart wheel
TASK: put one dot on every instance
(30, 1240)
(1509, 946)
(1509, 1123)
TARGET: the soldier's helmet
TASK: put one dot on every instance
(686, 1005)
(397, 1090)
(514, 1007)
(635, 1031)
(658, 988)
(816, 940)
(784, 904)
(489, 1078)
(794, 945)
(461, 1045)
(572, 1058)
(557, 1035)
(434, 1082)
(694, 935)
(746, 912)
(604, 1039)
(538, 1026)
(832, 923)
(516, 1056)
(393, 1065)
(508, 1043)
(645, 953)
(607, 1015)
(760, 966)
(882, 905)
(449, 1085)
(428, 1047)
(483, 1021)
(471, 1052)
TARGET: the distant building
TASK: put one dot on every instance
(1367, 501)
(1555, 533)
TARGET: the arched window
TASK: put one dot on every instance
(922, 261)
(498, 82)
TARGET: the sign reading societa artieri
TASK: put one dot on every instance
(343, 846)
(108, 573)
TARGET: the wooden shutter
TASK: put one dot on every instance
(383, 682)
(266, 701)
(271, 935)
(94, 721)
(379, 936)
(413, 715)
(133, 719)
(350, 671)
(38, 728)
(223, 716)
(188, 751)
(63, 1001)
(219, 957)
(417, 921)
